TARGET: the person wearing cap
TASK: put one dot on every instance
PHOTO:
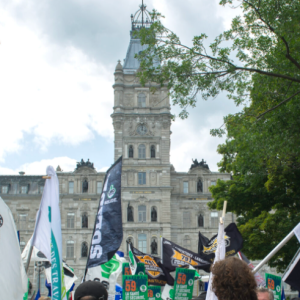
(91, 290)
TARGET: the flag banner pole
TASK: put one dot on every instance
(28, 259)
(273, 252)
(224, 212)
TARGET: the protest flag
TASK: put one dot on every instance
(155, 270)
(47, 233)
(258, 278)
(38, 295)
(176, 256)
(233, 243)
(282, 294)
(219, 255)
(292, 273)
(13, 279)
(108, 230)
(107, 273)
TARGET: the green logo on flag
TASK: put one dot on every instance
(111, 191)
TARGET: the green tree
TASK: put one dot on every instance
(257, 62)
(265, 40)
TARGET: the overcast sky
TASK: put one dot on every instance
(57, 59)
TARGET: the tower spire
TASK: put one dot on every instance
(141, 19)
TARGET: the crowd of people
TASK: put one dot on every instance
(233, 280)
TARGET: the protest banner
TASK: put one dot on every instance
(273, 283)
(184, 284)
(154, 292)
(140, 270)
(135, 287)
(126, 269)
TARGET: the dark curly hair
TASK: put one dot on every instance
(233, 280)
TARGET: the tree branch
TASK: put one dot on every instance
(281, 103)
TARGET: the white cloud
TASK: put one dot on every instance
(67, 164)
(64, 100)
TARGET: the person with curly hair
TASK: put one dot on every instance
(233, 280)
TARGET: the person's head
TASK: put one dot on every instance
(91, 290)
(233, 280)
(264, 294)
(44, 298)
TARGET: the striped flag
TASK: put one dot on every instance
(47, 233)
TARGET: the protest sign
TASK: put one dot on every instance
(274, 284)
(140, 270)
(135, 287)
(184, 284)
(154, 292)
(126, 269)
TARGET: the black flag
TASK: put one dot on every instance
(156, 271)
(108, 231)
(292, 273)
(233, 243)
(175, 256)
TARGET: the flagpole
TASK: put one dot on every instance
(274, 251)
(28, 259)
(161, 249)
(224, 212)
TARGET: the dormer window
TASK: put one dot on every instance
(24, 189)
(141, 100)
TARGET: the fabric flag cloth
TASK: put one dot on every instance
(292, 273)
(38, 295)
(297, 232)
(107, 273)
(108, 230)
(36, 255)
(168, 292)
(69, 275)
(258, 278)
(47, 233)
(282, 294)
(155, 270)
(219, 255)
(176, 256)
(13, 278)
(233, 243)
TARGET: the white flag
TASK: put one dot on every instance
(13, 279)
(47, 233)
(219, 255)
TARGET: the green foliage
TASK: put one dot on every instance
(265, 40)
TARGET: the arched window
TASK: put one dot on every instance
(142, 151)
(141, 100)
(187, 242)
(84, 249)
(200, 221)
(153, 214)
(70, 249)
(85, 221)
(152, 150)
(142, 213)
(142, 241)
(130, 151)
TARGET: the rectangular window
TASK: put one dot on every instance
(70, 220)
(22, 219)
(4, 189)
(213, 183)
(142, 178)
(185, 187)
(142, 213)
(99, 187)
(70, 249)
(186, 219)
(41, 189)
(71, 187)
(214, 217)
(142, 242)
(24, 189)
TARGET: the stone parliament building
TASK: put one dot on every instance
(156, 199)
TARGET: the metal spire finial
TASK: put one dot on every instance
(141, 19)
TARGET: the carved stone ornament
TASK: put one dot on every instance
(141, 128)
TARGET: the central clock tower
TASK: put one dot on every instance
(142, 121)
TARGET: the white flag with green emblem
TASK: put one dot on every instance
(132, 261)
(107, 273)
(47, 233)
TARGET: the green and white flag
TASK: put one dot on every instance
(107, 273)
(132, 261)
(47, 233)
(168, 292)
